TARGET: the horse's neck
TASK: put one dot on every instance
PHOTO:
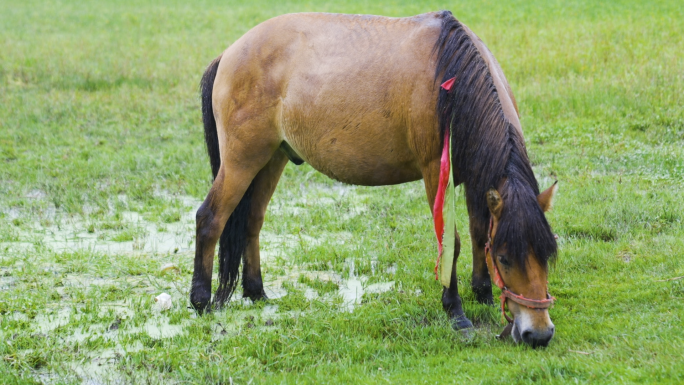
(506, 98)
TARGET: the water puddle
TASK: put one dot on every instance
(7, 282)
(119, 309)
(100, 366)
(350, 289)
(61, 233)
(45, 323)
(159, 328)
(69, 234)
(128, 233)
(138, 236)
(344, 197)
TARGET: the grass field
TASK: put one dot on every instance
(102, 164)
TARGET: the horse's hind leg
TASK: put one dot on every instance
(230, 196)
(264, 185)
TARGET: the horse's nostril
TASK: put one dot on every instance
(536, 338)
(526, 335)
(544, 340)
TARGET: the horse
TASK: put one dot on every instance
(358, 97)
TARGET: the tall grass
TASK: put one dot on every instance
(99, 115)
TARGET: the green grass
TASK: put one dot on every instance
(99, 117)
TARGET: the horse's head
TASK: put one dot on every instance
(520, 245)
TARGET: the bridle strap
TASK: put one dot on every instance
(530, 303)
(505, 293)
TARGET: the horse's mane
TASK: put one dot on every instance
(487, 149)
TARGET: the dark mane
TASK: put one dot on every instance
(487, 149)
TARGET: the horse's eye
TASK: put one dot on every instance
(503, 260)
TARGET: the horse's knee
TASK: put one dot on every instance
(481, 283)
(482, 288)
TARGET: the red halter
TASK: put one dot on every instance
(505, 293)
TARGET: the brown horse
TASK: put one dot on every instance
(359, 99)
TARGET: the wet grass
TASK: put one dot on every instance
(99, 118)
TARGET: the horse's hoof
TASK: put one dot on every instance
(461, 323)
(200, 301)
(201, 307)
(485, 299)
(255, 297)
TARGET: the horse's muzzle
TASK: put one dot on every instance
(534, 337)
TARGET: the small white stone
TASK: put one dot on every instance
(163, 301)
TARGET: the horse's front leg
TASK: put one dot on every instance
(481, 282)
(451, 300)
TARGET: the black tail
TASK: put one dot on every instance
(233, 242)
(210, 134)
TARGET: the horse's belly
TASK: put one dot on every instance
(366, 171)
(354, 130)
(356, 154)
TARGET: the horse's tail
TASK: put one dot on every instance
(233, 242)
(210, 133)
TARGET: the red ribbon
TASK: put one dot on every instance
(449, 83)
(438, 209)
(444, 169)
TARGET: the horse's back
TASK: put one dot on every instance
(352, 95)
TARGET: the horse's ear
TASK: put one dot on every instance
(494, 202)
(545, 199)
